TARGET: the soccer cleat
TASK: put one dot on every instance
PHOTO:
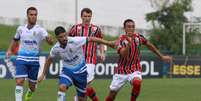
(28, 96)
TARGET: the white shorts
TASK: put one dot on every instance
(91, 72)
(120, 79)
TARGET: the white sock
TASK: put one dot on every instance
(61, 96)
(75, 98)
(18, 93)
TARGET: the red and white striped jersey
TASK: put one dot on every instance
(130, 63)
(89, 31)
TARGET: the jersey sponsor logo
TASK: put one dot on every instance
(72, 59)
(30, 42)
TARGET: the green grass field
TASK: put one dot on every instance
(152, 90)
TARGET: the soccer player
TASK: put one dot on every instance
(69, 50)
(88, 29)
(30, 37)
(129, 69)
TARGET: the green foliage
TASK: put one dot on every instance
(7, 33)
(167, 25)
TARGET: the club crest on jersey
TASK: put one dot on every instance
(94, 29)
(137, 41)
(79, 28)
(19, 31)
(34, 33)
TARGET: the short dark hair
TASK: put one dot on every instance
(31, 8)
(88, 10)
(128, 20)
(58, 30)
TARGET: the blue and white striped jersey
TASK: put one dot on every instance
(30, 41)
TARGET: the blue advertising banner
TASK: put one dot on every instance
(7, 67)
(152, 67)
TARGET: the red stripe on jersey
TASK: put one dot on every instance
(131, 57)
(90, 48)
(121, 60)
(131, 62)
(135, 59)
(87, 46)
(139, 66)
(89, 53)
(94, 60)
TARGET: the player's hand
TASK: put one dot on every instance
(129, 39)
(8, 53)
(167, 58)
(102, 57)
(41, 78)
(50, 40)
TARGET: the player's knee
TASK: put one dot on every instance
(20, 81)
(112, 95)
(136, 82)
(82, 98)
(63, 88)
(136, 87)
(32, 87)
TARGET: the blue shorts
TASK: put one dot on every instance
(27, 70)
(79, 80)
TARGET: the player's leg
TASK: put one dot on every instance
(135, 79)
(81, 84)
(65, 81)
(21, 74)
(19, 89)
(91, 93)
(111, 96)
(32, 78)
(117, 83)
(62, 92)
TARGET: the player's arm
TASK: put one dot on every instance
(157, 52)
(99, 34)
(125, 50)
(101, 41)
(102, 52)
(13, 44)
(45, 69)
(46, 36)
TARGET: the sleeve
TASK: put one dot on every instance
(99, 33)
(73, 31)
(44, 33)
(120, 44)
(143, 40)
(53, 52)
(80, 41)
(18, 33)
